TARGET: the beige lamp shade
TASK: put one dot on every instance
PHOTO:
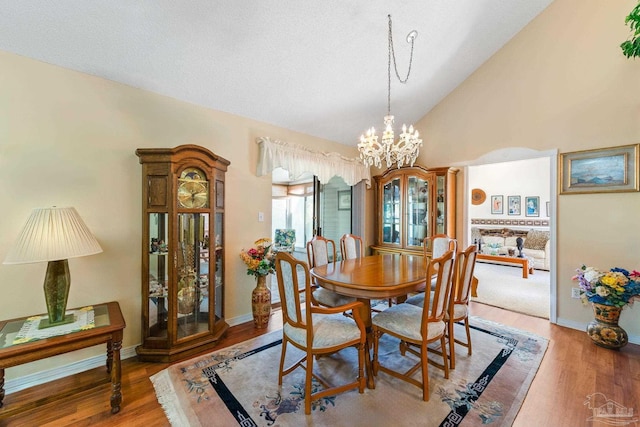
(52, 234)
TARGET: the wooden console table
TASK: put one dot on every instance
(109, 325)
(524, 262)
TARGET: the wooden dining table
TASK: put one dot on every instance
(376, 277)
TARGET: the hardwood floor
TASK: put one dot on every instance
(572, 369)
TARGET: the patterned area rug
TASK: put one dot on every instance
(239, 386)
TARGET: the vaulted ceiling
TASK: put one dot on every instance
(317, 67)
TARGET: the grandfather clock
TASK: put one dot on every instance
(182, 251)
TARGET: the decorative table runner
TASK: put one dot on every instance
(84, 319)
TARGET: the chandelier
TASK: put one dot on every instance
(405, 150)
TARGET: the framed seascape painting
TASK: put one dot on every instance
(532, 206)
(598, 171)
(496, 205)
(513, 203)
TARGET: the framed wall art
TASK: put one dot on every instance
(532, 206)
(496, 205)
(599, 171)
(344, 200)
(513, 203)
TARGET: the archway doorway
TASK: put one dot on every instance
(501, 159)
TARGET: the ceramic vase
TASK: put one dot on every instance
(604, 329)
(261, 303)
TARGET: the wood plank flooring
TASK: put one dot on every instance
(572, 369)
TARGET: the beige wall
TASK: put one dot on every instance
(561, 83)
(68, 139)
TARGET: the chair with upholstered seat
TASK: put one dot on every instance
(315, 330)
(351, 246)
(321, 251)
(418, 327)
(435, 246)
(458, 306)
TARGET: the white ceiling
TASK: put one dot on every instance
(317, 67)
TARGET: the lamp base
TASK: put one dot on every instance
(56, 291)
(45, 323)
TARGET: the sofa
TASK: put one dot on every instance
(498, 241)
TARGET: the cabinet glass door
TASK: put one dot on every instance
(158, 276)
(391, 212)
(441, 207)
(219, 271)
(192, 269)
(417, 211)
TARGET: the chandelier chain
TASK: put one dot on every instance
(405, 149)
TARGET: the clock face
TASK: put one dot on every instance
(193, 190)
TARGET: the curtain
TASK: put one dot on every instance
(297, 160)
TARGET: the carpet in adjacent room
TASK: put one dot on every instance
(503, 286)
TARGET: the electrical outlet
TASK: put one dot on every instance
(575, 292)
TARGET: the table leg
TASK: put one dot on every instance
(525, 269)
(114, 366)
(365, 313)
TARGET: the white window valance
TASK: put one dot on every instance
(298, 160)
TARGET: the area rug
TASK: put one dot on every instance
(239, 386)
(503, 286)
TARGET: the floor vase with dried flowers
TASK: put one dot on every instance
(604, 329)
(261, 303)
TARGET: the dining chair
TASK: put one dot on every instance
(418, 327)
(458, 306)
(435, 246)
(321, 251)
(315, 330)
(351, 246)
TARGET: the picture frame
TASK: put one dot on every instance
(496, 205)
(513, 205)
(532, 206)
(344, 200)
(604, 170)
(548, 209)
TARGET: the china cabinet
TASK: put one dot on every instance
(413, 203)
(182, 251)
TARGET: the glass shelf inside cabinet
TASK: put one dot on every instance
(418, 210)
(219, 270)
(158, 275)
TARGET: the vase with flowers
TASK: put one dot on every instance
(260, 262)
(608, 292)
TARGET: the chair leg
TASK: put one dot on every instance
(425, 371)
(361, 378)
(452, 346)
(282, 356)
(307, 384)
(466, 326)
(445, 362)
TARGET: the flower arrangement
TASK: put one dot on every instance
(616, 287)
(260, 260)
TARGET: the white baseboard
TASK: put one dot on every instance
(17, 384)
(580, 326)
(31, 380)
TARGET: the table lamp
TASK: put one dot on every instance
(54, 235)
